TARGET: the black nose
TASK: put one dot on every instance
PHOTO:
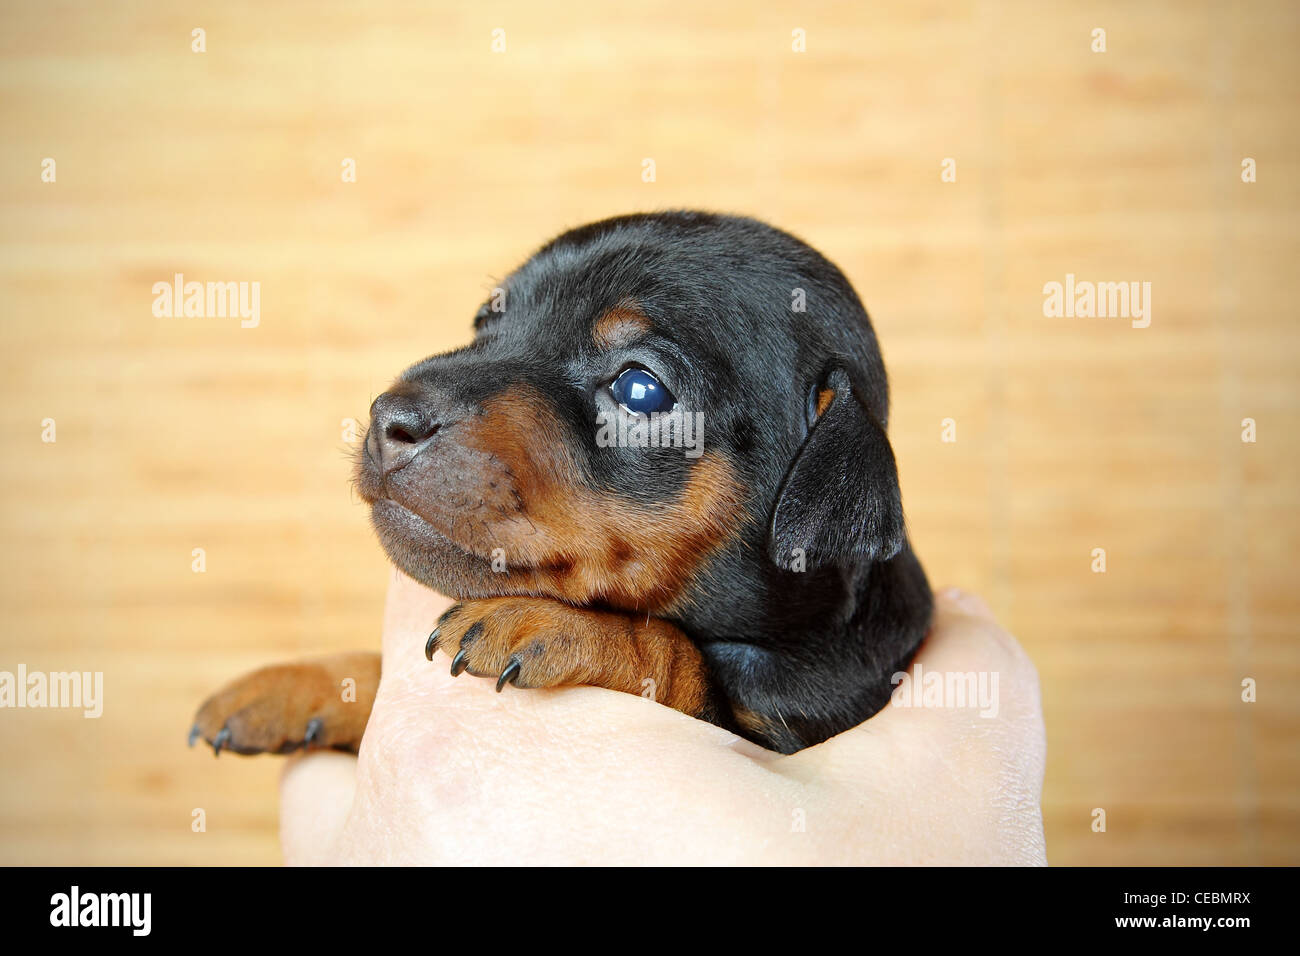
(400, 428)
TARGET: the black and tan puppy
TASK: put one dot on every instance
(750, 567)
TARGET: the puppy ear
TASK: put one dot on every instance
(839, 503)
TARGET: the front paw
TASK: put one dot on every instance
(287, 707)
(527, 642)
(539, 642)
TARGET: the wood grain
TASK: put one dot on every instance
(1072, 434)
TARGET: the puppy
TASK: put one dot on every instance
(661, 468)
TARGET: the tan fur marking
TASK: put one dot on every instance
(620, 326)
(556, 645)
(585, 546)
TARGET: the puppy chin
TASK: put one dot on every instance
(421, 552)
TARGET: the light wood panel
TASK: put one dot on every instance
(1072, 434)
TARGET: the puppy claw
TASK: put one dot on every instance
(313, 731)
(431, 644)
(194, 734)
(220, 741)
(509, 674)
(458, 663)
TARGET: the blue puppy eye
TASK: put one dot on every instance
(639, 391)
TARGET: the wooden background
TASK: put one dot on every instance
(1072, 434)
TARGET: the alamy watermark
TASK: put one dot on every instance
(1101, 300)
(671, 429)
(212, 300)
(945, 689)
(57, 690)
(75, 908)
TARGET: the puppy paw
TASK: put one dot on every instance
(537, 642)
(320, 704)
(527, 642)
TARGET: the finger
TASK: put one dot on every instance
(409, 616)
(316, 794)
(964, 635)
(955, 599)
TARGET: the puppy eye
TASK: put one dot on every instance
(640, 392)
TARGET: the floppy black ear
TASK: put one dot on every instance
(839, 503)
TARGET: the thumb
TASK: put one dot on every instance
(409, 616)
(316, 791)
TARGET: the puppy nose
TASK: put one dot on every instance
(400, 427)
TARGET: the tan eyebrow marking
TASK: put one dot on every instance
(620, 326)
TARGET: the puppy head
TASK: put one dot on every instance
(648, 394)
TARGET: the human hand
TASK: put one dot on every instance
(452, 773)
